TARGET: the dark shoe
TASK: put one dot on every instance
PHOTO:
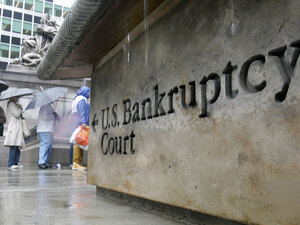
(42, 166)
(49, 166)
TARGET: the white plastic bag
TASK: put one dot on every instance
(73, 141)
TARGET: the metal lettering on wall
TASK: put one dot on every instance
(161, 103)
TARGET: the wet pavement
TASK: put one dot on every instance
(32, 196)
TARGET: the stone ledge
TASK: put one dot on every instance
(21, 69)
(18, 78)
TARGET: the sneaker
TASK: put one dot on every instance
(42, 166)
(20, 166)
(78, 167)
(13, 167)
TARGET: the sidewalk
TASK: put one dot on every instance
(32, 196)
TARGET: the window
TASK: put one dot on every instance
(3, 65)
(29, 5)
(6, 24)
(8, 2)
(34, 28)
(19, 4)
(37, 19)
(49, 0)
(4, 50)
(27, 18)
(18, 15)
(48, 8)
(38, 6)
(27, 28)
(17, 25)
(57, 10)
(5, 39)
(14, 52)
(15, 41)
(7, 13)
(66, 10)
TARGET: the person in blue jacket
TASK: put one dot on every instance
(81, 111)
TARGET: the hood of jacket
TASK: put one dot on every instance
(84, 91)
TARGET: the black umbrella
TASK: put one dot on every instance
(46, 97)
(18, 92)
(3, 86)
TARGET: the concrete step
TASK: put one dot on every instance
(57, 143)
(29, 154)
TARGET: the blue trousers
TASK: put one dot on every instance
(71, 154)
(46, 139)
(14, 155)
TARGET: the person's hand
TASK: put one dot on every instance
(19, 105)
(56, 116)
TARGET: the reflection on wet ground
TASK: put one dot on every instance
(32, 196)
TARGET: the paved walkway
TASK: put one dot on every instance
(32, 196)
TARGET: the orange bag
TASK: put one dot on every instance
(82, 137)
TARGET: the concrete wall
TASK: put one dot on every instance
(29, 154)
(22, 77)
(232, 154)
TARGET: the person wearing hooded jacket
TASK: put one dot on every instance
(80, 110)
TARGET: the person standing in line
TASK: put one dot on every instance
(45, 130)
(2, 121)
(71, 155)
(80, 110)
(14, 137)
(70, 120)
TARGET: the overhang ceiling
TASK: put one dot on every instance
(113, 22)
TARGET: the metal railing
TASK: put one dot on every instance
(33, 135)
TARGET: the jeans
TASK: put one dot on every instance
(14, 155)
(1, 129)
(46, 139)
(71, 154)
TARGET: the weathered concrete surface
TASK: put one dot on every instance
(59, 197)
(242, 161)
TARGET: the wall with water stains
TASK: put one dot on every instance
(207, 103)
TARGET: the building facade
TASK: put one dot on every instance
(19, 19)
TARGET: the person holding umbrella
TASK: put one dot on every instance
(14, 137)
(3, 87)
(45, 126)
(2, 121)
(46, 120)
(80, 110)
